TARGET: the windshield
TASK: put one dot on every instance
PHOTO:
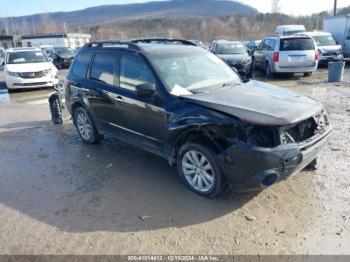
(226, 49)
(297, 44)
(194, 72)
(325, 40)
(26, 57)
(63, 51)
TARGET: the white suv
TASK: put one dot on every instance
(28, 68)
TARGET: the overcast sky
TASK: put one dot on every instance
(26, 7)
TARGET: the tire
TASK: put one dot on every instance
(85, 126)
(268, 71)
(312, 166)
(198, 170)
(308, 74)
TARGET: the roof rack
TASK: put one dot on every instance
(163, 41)
(114, 43)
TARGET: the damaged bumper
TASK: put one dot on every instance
(250, 168)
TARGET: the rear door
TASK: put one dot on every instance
(102, 82)
(297, 53)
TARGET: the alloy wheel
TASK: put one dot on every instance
(198, 171)
(84, 126)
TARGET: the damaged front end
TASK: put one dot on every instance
(255, 157)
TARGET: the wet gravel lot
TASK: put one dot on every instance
(59, 196)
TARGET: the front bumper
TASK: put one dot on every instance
(14, 82)
(330, 58)
(253, 168)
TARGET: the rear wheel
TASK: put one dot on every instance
(85, 126)
(308, 74)
(268, 71)
(198, 170)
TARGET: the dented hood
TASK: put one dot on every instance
(258, 103)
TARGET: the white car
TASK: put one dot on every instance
(28, 68)
(285, 30)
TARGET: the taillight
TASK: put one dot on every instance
(316, 56)
(276, 56)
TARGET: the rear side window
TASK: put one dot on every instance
(348, 37)
(81, 64)
(103, 68)
(133, 72)
(297, 44)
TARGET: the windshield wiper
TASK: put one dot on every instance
(229, 84)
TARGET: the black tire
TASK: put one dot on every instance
(219, 181)
(312, 166)
(308, 74)
(94, 137)
(268, 72)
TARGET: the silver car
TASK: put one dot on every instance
(286, 54)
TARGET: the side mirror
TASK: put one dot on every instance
(250, 52)
(3, 63)
(146, 89)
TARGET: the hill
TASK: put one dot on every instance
(114, 13)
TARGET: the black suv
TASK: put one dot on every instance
(186, 105)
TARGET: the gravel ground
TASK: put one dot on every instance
(58, 196)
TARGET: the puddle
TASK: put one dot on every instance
(4, 96)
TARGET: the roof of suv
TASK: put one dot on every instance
(315, 33)
(24, 49)
(144, 47)
(289, 36)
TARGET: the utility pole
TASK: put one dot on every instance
(335, 7)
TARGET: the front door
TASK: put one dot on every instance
(141, 119)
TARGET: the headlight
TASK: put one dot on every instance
(47, 72)
(13, 73)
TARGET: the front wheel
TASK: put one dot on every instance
(308, 74)
(198, 170)
(85, 126)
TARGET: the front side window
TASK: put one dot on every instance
(134, 72)
(103, 68)
(81, 64)
(297, 44)
(348, 37)
(26, 57)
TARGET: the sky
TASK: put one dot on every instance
(27, 7)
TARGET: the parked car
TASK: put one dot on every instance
(198, 43)
(186, 105)
(286, 30)
(327, 47)
(286, 54)
(339, 27)
(62, 57)
(235, 54)
(28, 68)
(252, 45)
(2, 55)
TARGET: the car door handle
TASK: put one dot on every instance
(118, 99)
